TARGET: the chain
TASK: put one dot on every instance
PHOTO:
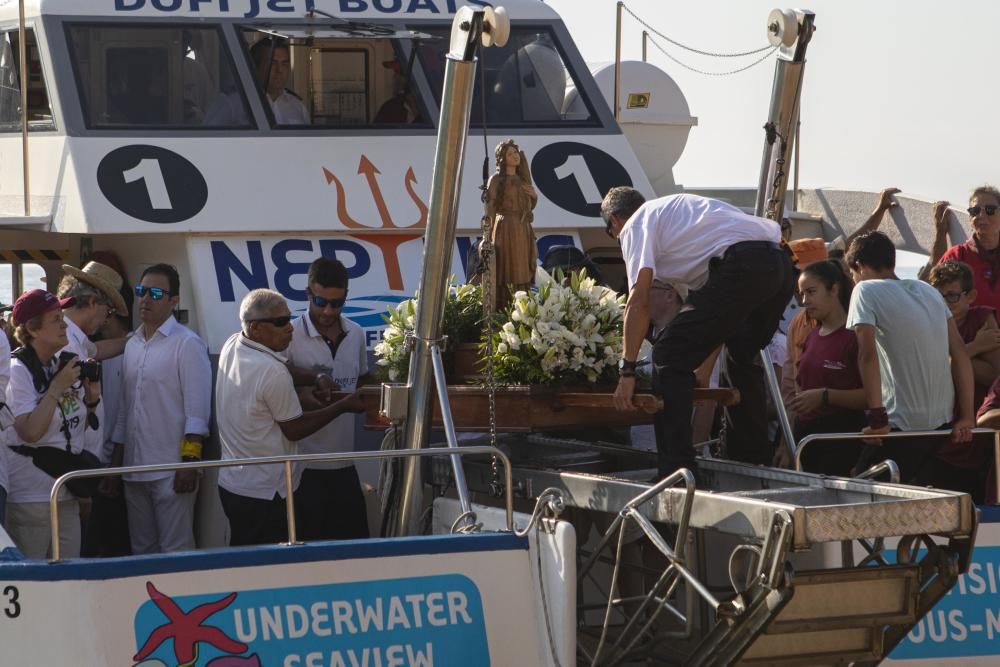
(706, 73)
(721, 448)
(486, 252)
(772, 135)
(710, 54)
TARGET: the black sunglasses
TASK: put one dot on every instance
(276, 321)
(976, 210)
(155, 293)
(320, 302)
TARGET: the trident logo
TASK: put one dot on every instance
(388, 241)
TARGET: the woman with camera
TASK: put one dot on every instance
(53, 407)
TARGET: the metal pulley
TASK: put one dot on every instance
(495, 27)
(782, 27)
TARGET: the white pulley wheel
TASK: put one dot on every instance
(782, 27)
(497, 31)
(463, 17)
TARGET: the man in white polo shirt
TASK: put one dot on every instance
(329, 502)
(740, 281)
(259, 414)
(165, 416)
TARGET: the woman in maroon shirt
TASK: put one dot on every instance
(830, 398)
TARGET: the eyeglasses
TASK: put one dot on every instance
(102, 302)
(155, 293)
(320, 302)
(276, 321)
(976, 210)
(952, 297)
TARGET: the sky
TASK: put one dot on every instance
(896, 93)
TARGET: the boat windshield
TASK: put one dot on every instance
(325, 78)
(39, 111)
(527, 81)
(155, 76)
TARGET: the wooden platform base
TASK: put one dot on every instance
(537, 409)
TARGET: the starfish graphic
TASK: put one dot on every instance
(186, 629)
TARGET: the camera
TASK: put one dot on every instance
(89, 370)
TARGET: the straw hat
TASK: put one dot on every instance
(103, 278)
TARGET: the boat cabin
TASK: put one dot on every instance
(151, 133)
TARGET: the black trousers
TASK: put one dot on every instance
(832, 457)
(330, 505)
(740, 306)
(254, 521)
(106, 532)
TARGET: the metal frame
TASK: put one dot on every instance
(809, 439)
(22, 47)
(287, 460)
(442, 220)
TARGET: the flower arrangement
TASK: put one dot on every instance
(463, 312)
(563, 333)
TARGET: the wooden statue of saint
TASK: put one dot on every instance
(510, 199)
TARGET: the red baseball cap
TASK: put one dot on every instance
(37, 302)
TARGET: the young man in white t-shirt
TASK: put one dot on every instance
(259, 414)
(740, 280)
(329, 503)
(906, 335)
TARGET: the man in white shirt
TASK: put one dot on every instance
(259, 414)
(272, 59)
(165, 417)
(740, 280)
(329, 501)
(906, 335)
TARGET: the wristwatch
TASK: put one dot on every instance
(626, 368)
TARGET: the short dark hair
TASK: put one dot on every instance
(327, 272)
(874, 250)
(168, 272)
(265, 46)
(952, 271)
(622, 201)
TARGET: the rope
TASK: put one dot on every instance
(767, 55)
(711, 54)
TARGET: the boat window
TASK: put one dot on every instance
(32, 277)
(16, 278)
(7, 284)
(156, 77)
(39, 110)
(329, 80)
(527, 81)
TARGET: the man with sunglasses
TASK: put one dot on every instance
(329, 502)
(740, 279)
(259, 414)
(167, 391)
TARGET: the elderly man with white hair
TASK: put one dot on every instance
(259, 414)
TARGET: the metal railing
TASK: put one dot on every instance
(287, 461)
(815, 437)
